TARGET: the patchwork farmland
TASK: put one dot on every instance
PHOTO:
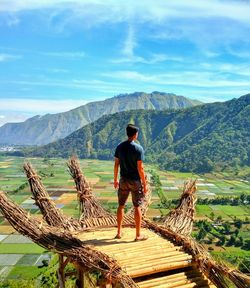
(20, 258)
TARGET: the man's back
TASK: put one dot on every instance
(128, 153)
(129, 158)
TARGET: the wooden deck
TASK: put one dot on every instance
(155, 262)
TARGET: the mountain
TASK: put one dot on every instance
(51, 127)
(196, 139)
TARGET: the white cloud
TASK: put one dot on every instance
(143, 10)
(79, 84)
(38, 106)
(152, 59)
(196, 79)
(130, 43)
(239, 53)
(75, 54)
(129, 54)
(236, 69)
(8, 57)
(129, 75)
(208, 24)
(2, 116)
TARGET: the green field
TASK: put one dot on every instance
(60, 186)
(20, 248)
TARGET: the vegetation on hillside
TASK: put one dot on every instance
(201, 139)
(40, 130)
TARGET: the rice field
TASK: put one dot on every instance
(18, 255)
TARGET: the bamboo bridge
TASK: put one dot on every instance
(169, 258)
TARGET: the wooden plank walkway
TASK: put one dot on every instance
(155, 262)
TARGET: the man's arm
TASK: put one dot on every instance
(142, 175)
(116, 169)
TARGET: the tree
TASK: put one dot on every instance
(219, 219)
(238, 223)
(226, 227)
(212, 216)
(222, 241)
(201, 235)
(231, 241)
(239, 242)
(246, 245)
(244, 265)
(207, 226)
(243, 198)
(236, 232)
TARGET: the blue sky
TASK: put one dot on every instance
(57, 55)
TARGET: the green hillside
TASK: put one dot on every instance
(40, 130)
(200, 138)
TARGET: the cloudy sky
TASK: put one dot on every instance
(57, 55)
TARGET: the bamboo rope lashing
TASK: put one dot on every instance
(89, 204)
(51, 214)
(180, 219)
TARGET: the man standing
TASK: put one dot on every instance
(129, 157)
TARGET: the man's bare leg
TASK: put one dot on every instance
(138, 216)
(120, 213)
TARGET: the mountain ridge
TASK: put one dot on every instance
(199, 138)
(48, 128)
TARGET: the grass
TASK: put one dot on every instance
(229, 211)
(21, 249)
(28, 260)
(203, 210)
(26, 272)
(10, 259)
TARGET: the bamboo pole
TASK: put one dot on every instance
(132, 255)
(214, 271)
(80, 277)
(128, 249)
(152, 263)
(152, 258)
(172, 277)
(139, 272)
(135, 251)
(147, 245)
(60, 272)
(173, 282)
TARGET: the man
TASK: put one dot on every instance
(129, 157)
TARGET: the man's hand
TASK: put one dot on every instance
(142, 176)
(116, 184)
(116, 168)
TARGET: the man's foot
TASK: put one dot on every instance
(141, 238)
(118, 236)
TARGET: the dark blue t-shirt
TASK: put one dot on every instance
(129, 152)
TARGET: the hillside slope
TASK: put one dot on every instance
(40, 130)
(193, 139)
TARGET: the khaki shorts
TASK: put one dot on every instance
(133, 186)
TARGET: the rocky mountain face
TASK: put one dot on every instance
(198, 139)
(40, 130)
